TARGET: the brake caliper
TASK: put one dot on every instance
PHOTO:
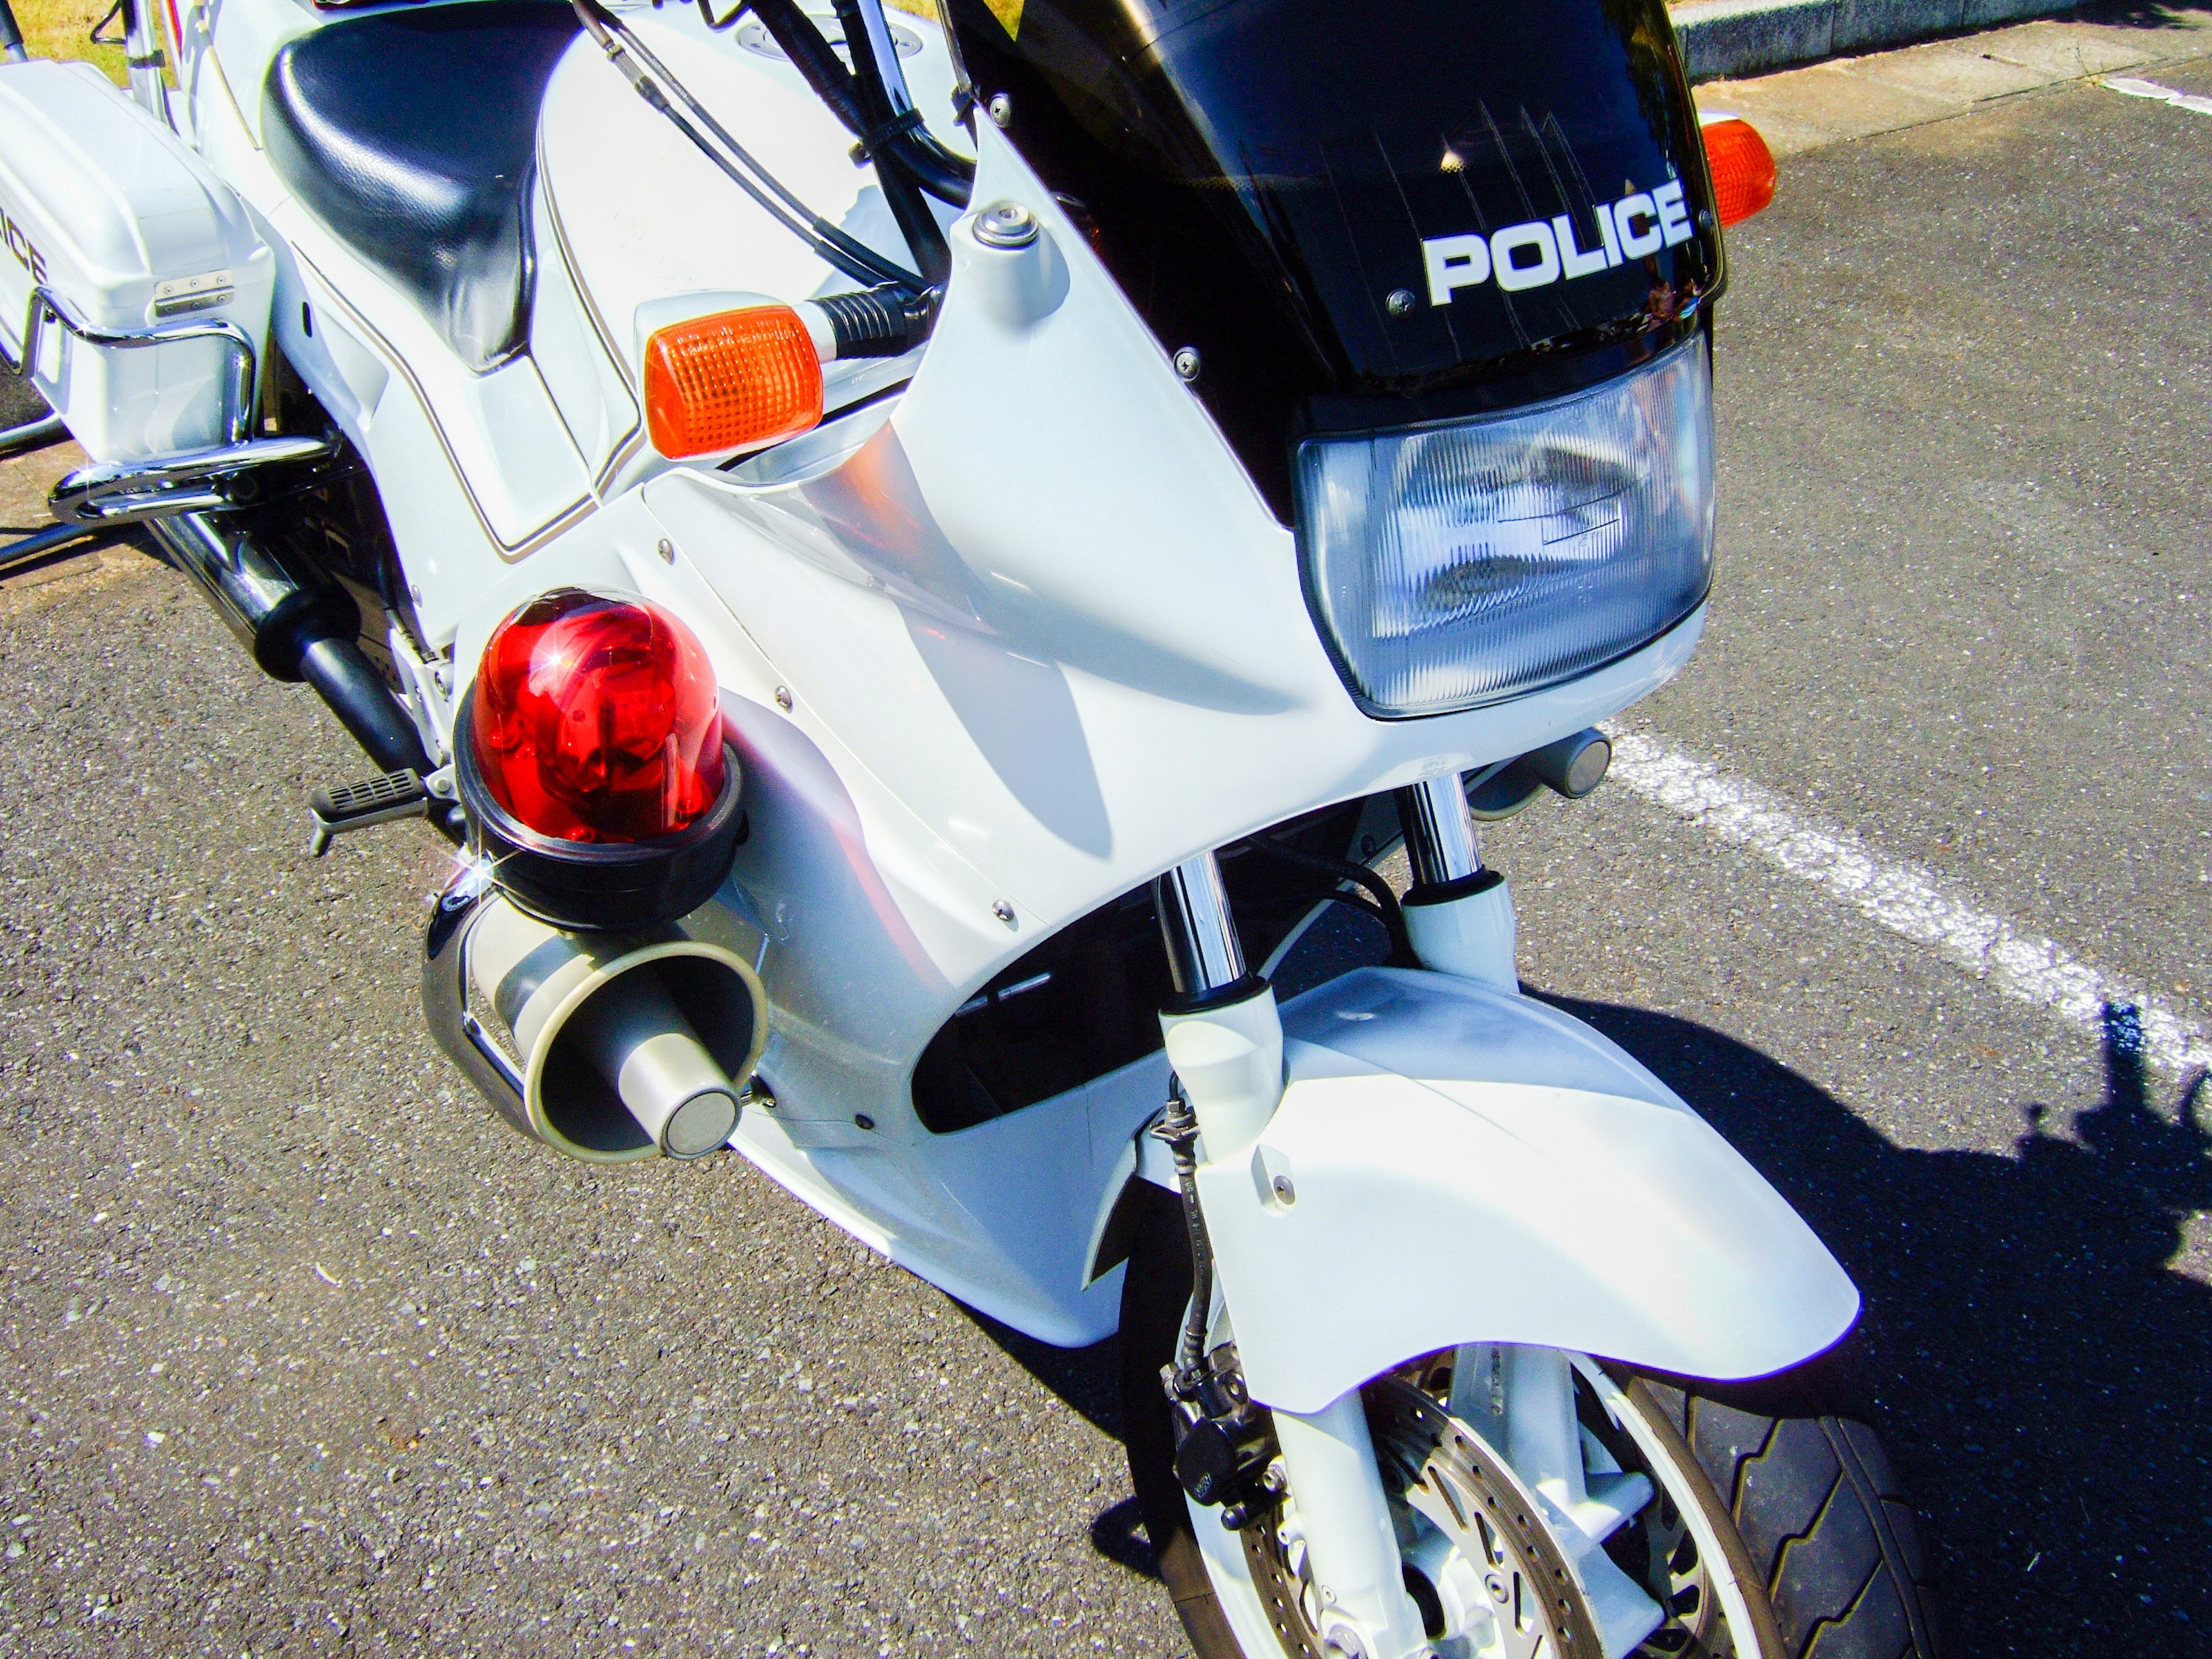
(1224, 1449)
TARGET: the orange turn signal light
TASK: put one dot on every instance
(734, 380)
(1742, 168)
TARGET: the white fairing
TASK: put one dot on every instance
(1465, 1166)
(1042, 639)
(1042, 606)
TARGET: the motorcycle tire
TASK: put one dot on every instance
(1802, 1498)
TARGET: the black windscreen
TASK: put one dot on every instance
(1332, 200)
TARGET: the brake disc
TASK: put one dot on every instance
(1492, 1584)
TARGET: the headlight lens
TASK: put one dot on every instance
(1450, 566)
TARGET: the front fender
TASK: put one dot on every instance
(1451, 1164)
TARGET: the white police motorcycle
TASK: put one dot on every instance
(923, 560)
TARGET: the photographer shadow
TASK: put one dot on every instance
(2035, 1363)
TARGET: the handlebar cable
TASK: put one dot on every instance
(891, 121)
(1379, 902)
(854, 258)
(948, 177)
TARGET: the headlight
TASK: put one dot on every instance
(1460, 564)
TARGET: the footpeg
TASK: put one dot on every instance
(357, 805)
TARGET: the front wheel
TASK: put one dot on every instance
(1765, 1523)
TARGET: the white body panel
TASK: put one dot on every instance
(618, 207)
(1049, 615)
(104, 207)
(1465, 1166)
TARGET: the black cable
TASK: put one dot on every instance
(1385, 909)
(946, 175)
(949, 178)
(884, 271)
(810, 54)
(924, 237)
(856, 259)
(1366, 907)
(662, 72)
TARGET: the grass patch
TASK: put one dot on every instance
(62, 28)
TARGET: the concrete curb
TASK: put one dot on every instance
(1723, 38)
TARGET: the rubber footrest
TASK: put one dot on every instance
(350, 807)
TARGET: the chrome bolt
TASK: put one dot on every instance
(1285, 1191)
(1001, 108)
(783, 698)
(1186, 362)
(1496, 1586)
(1400, 301)
(667, 551)
(1006, 224)
(1004, 911)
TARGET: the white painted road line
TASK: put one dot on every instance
(2135, 89)
(1908, 901)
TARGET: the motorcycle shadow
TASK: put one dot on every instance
(2036, 1365)
(1088, 1381)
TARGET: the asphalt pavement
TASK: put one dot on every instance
(303, 1353)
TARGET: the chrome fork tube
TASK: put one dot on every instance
(1222, 1034)
(1440, 839)
(1204, 957)
(1226, 1042)
(1459, 916)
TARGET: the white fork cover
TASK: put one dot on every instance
(1451, 1164)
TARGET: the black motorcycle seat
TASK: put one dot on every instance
(410, 135)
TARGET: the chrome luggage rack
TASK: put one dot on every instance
(43, 304)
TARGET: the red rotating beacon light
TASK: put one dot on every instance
(596, 720)
(594, 764)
